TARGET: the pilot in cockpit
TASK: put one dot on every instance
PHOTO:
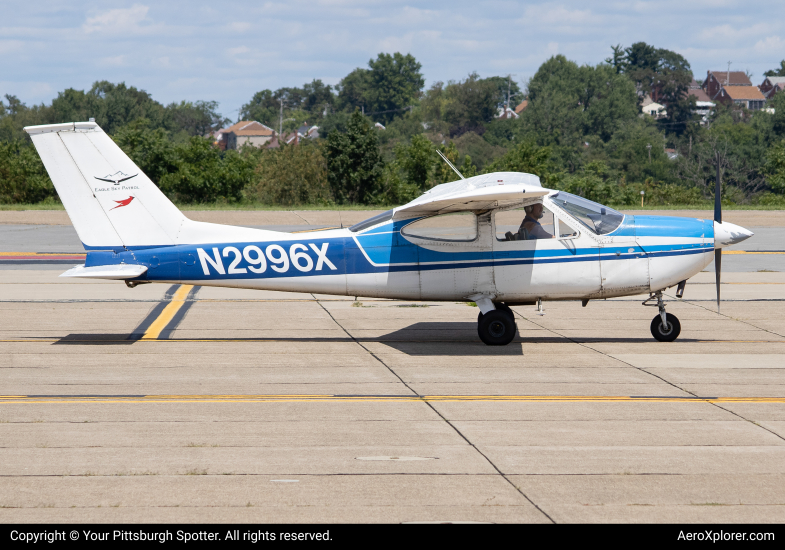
(531, 223)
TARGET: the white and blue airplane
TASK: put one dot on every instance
(498, 240)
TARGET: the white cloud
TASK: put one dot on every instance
(238, 27)
(10, 46)
(769, 44)
(115, 61)
(200, 49)
(733, 34)
(118, 21)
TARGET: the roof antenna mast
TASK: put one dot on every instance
(454, 169)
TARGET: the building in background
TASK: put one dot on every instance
(748, 97)
(652, 108)
(245, 132)
(704, 106)
(772, 85)
(716, 81)
(506, 113)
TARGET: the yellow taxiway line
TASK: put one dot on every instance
(104, 399)
(171, 309)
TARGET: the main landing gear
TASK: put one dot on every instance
(497, 327)
(665, 327)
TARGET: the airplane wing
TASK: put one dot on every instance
(479, 193)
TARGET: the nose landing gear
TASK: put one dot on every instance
(665, 327)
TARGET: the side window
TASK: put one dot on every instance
(525, 224)
(459, 226)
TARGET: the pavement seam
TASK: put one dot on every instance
(450, 424)
(690, 302)
(655, 375)
(696, 304)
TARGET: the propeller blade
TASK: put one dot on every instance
(718, 273)
(717, 196)
(718, 219)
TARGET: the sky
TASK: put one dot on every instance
(226, 51)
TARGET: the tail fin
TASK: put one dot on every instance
(111, 203)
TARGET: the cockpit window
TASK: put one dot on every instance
(596, 217)
(370, 222)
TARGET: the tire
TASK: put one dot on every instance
(496, 328)
(504, 308)
(657, 330)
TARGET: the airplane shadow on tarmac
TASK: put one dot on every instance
(422, 338)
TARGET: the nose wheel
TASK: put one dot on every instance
(664, 333)
(497, 327)
(665, 327)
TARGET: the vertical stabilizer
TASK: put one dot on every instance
(110, 201)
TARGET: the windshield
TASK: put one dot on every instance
(596, 217)
(378, 218)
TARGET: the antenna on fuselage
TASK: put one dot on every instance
(450, 164)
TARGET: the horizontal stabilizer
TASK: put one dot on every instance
(117, 271)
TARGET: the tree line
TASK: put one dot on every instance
(582, 131)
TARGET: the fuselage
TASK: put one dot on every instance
(643, 254)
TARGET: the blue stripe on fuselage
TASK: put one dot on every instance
(391, 252)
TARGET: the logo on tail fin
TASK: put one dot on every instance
(124, 202)
(116, 178)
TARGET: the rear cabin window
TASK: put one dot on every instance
(370, 222)
(458, 226)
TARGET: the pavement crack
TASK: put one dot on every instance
(655, 375)
(450, 424)
(694, 303)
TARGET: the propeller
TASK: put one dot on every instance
(718, 219)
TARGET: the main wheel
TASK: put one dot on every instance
(496, 328)
(504, 308)
(665, 334)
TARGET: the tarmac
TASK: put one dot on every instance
(177, 404)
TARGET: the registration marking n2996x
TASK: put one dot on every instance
(256, 259)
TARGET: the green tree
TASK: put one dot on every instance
(525, 157)
(780, 71)
(354, 162)
(111, 105)
(151, 149)
(263, 107)
(194, 118)
(386, 88)
(775, 167)
(192, 171)
(353, 91)
(23, 178)
(469, 104)
(206, 174)
(317, 97)
(417, 161)
(570, 106)
(292, 175)
(501, 85)
(394, 82)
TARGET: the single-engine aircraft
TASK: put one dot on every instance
(498, 240)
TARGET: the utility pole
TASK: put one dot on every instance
(727, 75)
(280, 120)
(509, 84)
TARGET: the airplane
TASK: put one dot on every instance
(499, 240)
